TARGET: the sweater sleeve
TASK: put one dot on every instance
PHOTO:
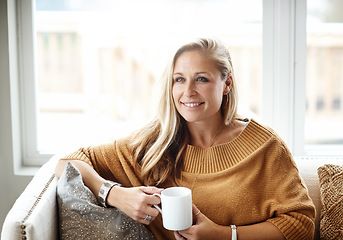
(98, 157)
(83, 154)
(112, 161)
(291, 207)
(294, 225)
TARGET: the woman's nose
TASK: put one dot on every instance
(190, 89)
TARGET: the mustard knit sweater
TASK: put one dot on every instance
(245, 181)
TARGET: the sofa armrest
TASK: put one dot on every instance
(34, 215)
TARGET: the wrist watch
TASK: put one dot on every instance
(104, 190)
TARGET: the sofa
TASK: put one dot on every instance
(34, 214)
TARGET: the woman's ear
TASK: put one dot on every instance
(228, 84)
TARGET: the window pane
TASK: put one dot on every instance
(97, 61)
(324, 84)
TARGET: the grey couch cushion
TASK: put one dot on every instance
(82, 217)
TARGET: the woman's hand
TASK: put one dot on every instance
(204, 228)
(136, 202)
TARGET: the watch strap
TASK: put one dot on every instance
(104, 191)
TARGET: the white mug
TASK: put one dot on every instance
(176, 208)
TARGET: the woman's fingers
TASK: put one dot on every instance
(196, 214)
(151, 190)
(137, 203)
(178, 236)
(149, 198)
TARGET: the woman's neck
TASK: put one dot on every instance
(205, 135)
(209, 135)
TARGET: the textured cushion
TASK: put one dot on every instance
(81, 216)
(33, 215)
(331, 189)
(308, 171)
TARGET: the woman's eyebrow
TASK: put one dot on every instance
(202, 73)
(177, 73)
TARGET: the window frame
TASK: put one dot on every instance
(28, 85)
(283, 86)
(284, 70)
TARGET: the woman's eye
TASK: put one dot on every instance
(202, 79)
(179, 79)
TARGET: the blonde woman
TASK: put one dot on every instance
(243, 178)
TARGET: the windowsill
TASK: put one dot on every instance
(310, 164)
(323, 151)
(26, 171)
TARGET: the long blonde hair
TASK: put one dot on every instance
(160, 145)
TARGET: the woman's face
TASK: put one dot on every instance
(198, 88)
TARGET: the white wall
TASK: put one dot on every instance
(10, 185)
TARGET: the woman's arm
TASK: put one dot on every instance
(206, 229)
(136, 202)
(263, 230)
(89, 176)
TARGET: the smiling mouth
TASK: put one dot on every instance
(192, 105)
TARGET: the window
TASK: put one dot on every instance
(336, 104)
(324, 82)
(96, 63)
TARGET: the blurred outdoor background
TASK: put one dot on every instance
(98, 61)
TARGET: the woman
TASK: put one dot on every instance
(243, 179)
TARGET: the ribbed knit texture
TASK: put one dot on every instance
(248, 180)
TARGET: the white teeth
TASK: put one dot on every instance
(192, 104)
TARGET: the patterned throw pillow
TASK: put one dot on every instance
(331, 191)
(81, 216)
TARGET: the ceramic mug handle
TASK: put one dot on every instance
(155, 205)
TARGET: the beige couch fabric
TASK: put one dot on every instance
(34, 214)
